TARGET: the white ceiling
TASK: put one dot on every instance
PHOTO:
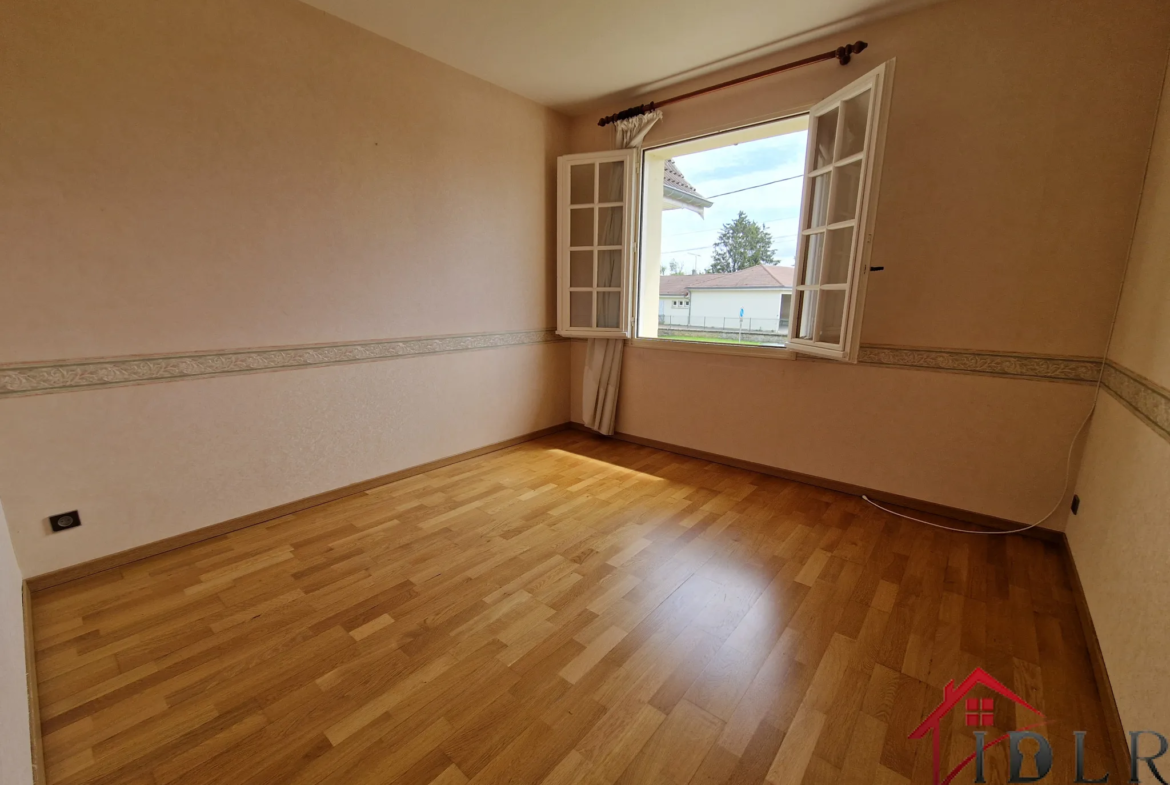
(568, 54)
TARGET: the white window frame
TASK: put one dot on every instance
(879, 81)
(628, 248)
(642, 266)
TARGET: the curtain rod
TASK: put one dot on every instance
(842, 54)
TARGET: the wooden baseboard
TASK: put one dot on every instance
(122, 558)
(905, 502)
(37, 749)
(1118, 743)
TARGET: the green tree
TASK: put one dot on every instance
(742, 243)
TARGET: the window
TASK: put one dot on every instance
(720, 220)
(837, 219)
(756, 236)
(596, 199)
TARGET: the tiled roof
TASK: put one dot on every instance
(761, 276)
(672, 177)
(679, 284)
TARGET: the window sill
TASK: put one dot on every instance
(697, 347)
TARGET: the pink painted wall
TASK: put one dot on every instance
(1121, 535)
(219, 175)
(1018, 136)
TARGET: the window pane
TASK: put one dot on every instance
(580, 309)
(812, 259)
(581, 184)
(826, 135)
(847, 179)
(581, 227)
(609, 268)
(610, 180)
(677, 243)
(856, 112)
(808, 313)
(581, 269)
(609, 226)
(837, 248)
(608, 309)
(819, 207)
(832, 312)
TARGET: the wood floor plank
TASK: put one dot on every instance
(572, 611)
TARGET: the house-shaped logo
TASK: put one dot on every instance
(979, 712)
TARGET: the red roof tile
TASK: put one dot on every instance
(761, 276)
(673, 176)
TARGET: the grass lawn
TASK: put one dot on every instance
(689, 339)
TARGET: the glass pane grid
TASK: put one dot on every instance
(581, 222)
(582, 189)
(831, 316)
(844, 192)
(581, 309)
(835, 171)
(610, 179)
(596, 229)
(854, 124)
(609, 226)
(825, 141)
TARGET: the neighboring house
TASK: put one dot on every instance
(760, 295)
(678, 194)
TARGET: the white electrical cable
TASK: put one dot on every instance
(1100, 376)
(1055, 507)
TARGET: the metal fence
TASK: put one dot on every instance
(727, 323)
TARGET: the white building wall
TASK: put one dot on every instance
(715, 304)
(667, 307)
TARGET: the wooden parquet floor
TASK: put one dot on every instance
(570, 610)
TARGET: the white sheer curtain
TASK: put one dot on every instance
(603, 357)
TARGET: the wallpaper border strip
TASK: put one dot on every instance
(19, 379)
(38, 378)
(1147, 399)
(1083, 370)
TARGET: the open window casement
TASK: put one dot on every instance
(836, 217)
(595, 243)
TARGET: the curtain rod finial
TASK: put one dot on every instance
(845, 53)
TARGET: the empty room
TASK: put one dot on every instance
(584, 393)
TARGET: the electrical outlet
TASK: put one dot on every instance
(64, 521)
(1076, 504)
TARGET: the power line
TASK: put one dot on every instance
(750, 187)
(712, 245)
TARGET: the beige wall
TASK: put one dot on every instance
(218, 175)
(1121, 536)
(15, 757)
(1018, 135)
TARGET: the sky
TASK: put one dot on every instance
(688, 239)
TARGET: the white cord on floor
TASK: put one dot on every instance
(1055, 507)
(1096, 393)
